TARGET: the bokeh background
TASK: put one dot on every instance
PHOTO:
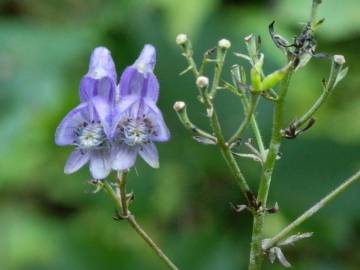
(52, 221)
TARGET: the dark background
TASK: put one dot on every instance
(52, 221)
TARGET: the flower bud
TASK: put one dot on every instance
(253, 46)
(224, 44)
(339, 59)
(179, 106)
(181, 39)
(274, 78)
(255, 80)
(202, 81)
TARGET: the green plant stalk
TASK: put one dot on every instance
(121, 203)
(334, 71)
(249, 109)
(311, 211)
(239, 79)
(188, 54)
(256, 252)
(258, 136)
(184, 119)
(314, 8)
(220, 58)
(226, 152)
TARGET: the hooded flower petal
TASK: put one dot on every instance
(150, 154)
(139, 79)
(64, 134)
(76, 160)
(123, 157)
(146, 60)
(100, 165)
(133, 83)
(101, 77)
(90, 87)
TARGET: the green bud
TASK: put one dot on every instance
(274, 78)
(255, 79)
(256, 72)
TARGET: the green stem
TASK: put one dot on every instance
(220, 58)
(258, 136)
(229, 158)
(122, 178)
(314, 8)
(335, 69)
(122, 204)
(239, 78)
(256, 252)
(311, 211)
(180, 108)
(249, 109)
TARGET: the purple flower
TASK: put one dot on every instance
(113, 124)
(87, 127)
(137, 122)
(101, 77)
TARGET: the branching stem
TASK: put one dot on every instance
(122, 204)
(335, 68)
(311, 211)
(256, 252)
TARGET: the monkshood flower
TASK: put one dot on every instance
(137, 122)
(87, 127)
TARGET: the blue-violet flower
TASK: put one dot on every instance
(137, 121)
(88, 126)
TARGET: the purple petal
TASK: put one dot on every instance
(101, 77)
(162, 133)
(133, 83)
(76, 160)
(101, 64)
(151, 88)
(150, 154)
(90, 87)
(139, 79)
(100, 166)
(123, 157)
(146, 60)
(103, 110)
(64, 134)
(125, 108)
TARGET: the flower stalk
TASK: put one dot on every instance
(207, 100)
(222, 48)
(121, 203)
(311, 211)
(180, 108)
(336, 67)
(256, 252)
(249, 113)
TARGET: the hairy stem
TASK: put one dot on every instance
(311, 211)
(256, 252)
(121, 203)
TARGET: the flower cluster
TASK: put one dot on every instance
(114, 121)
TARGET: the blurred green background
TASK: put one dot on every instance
(52, 221)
